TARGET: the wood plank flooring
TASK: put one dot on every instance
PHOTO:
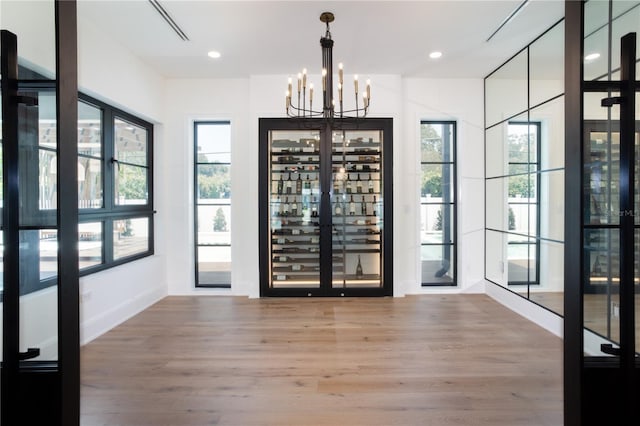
(420, 360)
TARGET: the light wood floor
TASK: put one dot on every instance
(421, 360)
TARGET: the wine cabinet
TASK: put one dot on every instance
(325, 207)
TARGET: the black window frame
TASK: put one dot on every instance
(536, 237)
(196, 243)
(110, 210)
(453, 205)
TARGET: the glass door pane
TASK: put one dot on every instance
(294, 208)
(357, 206)
(37, 169)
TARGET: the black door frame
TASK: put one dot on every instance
(597, 389)
(326, 128)
(44, 392)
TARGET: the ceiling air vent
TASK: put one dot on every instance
(165, 15)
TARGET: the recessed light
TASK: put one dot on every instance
(435, 55)
(213, 54)
(591, 56)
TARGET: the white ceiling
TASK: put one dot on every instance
(282, 37)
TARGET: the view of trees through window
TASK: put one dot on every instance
(437, 202)
(212, 197)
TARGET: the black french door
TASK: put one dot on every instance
(325, 207)
(602, 225)
(40, 324)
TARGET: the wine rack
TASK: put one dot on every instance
(325, 211)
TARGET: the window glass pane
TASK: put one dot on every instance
(522, 188)
(214, 181)
(213, 203)
(89, 183)
(90, 244)
(89, 130)
(214, 265)
(437, 263)
(522, 142)
(48, 180)
(437, 180)
(213, 142)
(131, 143)
(437, 196)
(437, 223)
(130, 236)
(522, 262)
(436, 143)
(47, 255)
(131, 186)
(214, 224)
(47, 119)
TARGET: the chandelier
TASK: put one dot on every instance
(301, 106)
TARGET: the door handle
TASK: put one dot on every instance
(30, 353)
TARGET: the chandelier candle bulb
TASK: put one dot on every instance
(299, 82)
(304, 77)
(310, 93)
(289, 87)
(355, 83)
(340, 92)
(340, 73)
(368, 89)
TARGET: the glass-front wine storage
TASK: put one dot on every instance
(324, 208)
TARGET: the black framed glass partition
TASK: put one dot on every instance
(524, 172)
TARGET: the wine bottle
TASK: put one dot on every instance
(294, 207)
(307, 183)
(285, 211)
(280, 185)
(338, 209)
(349, 189)
(359, 273)
(370, 184)
(352, 206)
(374, 206)
(363, 207)
(359, 185)
(299, 184)
(289, 185)
(314, 208)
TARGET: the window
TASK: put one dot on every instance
(523, 252)
(212, 198)
(114, 186)
(437, 203)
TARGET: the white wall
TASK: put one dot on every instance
(243, 102)
(460, 100)
(111, 73)
(187, 101)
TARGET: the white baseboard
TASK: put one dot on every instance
(100, 324)
(546, 319)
